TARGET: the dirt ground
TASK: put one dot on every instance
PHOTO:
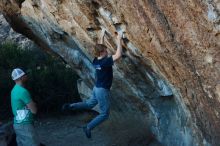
(65, 130)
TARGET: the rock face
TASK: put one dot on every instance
(8, 34)
(172, 47)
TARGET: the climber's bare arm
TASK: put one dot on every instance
(118, 53)
(101, 37)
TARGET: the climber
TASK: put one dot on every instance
(104, 75)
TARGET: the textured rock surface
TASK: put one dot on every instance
(172, 46)
(8, 34)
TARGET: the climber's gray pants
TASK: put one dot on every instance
(99, 96)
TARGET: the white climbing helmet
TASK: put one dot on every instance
(17, 73)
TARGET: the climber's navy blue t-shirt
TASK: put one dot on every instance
(104, 72)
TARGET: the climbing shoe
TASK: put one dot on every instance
(87, 132)
(66, 106)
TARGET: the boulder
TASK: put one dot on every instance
(169, 74)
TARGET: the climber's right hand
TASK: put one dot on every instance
(119, 35)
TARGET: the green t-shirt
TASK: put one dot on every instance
(20, 97)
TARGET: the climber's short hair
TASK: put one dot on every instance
(99, 48)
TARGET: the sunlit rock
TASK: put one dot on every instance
(170, 64)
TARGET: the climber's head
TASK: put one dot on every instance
(100, 50)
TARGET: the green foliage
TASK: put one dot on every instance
(51, 82)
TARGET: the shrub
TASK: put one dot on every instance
(51, 81)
